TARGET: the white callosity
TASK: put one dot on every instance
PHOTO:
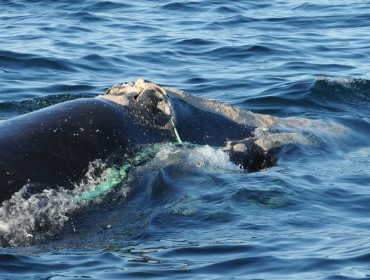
(268, 128)
(128, 94)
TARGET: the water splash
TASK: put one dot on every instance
(206, 156)
(28, 219)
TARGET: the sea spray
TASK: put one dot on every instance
(28, 219)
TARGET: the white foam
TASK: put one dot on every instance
(22, 219)
(208, 156)
(340, 80)
(363, 152)
(26, 219)
(202, 157)
(354, 84)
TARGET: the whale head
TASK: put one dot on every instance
(148, 101)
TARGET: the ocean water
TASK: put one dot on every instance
(190, 213)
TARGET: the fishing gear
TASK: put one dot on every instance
(116, 175)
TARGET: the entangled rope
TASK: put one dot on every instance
(117, 175)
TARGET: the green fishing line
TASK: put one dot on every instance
(116, 175)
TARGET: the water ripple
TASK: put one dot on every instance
(15, 60)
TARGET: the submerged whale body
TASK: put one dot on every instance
(54, 146)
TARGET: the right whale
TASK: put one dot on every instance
(53, 147)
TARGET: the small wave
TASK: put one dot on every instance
(183, 6)
(240, 52)
(107, 6)
(88, 17)
(359, 87)
(231, 22)
(15, 108)
(22, 61)
(342, 95)
(194, 42)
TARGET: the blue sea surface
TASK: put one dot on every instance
(191, 213)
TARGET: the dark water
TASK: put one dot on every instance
(191, 213)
